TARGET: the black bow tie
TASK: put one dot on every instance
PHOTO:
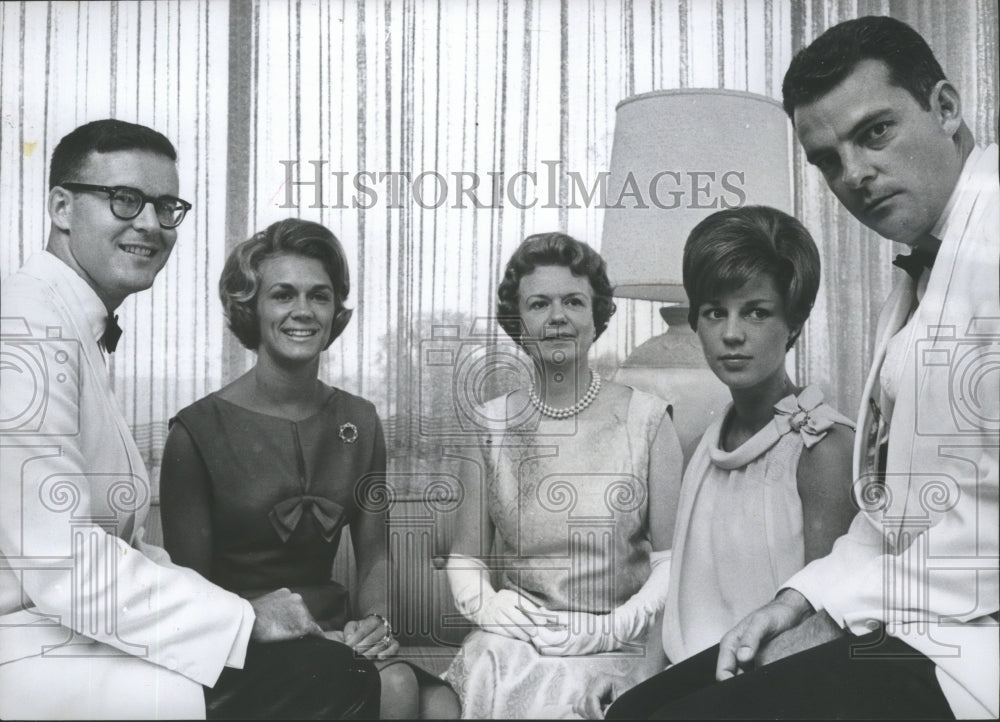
(112, 332)
(916, 262)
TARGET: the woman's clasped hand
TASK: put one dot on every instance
(371, 637)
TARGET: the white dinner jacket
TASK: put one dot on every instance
(922, 555)
(93, 623)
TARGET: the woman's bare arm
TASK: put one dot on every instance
(186, 503)
(824, 477)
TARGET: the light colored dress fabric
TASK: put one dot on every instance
(570, 512)
(739, 524)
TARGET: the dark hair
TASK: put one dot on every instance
(103, 136)
(830, 58)
(240, 280)
(554, 249)
(729, 248)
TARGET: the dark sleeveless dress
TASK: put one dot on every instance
(282, 491)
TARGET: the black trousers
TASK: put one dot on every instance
(310, 678)
(836, 680)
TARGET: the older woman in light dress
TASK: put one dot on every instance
(562, 551)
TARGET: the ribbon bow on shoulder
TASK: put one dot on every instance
(286, 515)
(805, 414)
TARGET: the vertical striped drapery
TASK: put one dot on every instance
(162, 64)
(394, 106)
(433, 95)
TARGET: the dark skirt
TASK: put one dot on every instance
(310, 678)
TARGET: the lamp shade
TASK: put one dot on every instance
(679, 156)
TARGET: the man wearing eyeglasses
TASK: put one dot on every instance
(116, 253)
(95, 623)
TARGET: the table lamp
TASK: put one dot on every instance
(679, 156)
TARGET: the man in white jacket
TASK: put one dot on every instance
(93, 622)
(900, 619)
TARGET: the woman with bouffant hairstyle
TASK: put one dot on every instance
(730, 248)
(260, 477)
(575, 493)
(768, 488)
(241, 276)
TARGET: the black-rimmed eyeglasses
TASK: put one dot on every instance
(127, 203)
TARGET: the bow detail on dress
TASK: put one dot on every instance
(805, 414)
(286, 515)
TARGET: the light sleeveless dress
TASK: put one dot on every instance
(739, 524)
(570, 513)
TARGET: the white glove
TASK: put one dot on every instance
(575, 634)
(504, 612)
(578, 633)
(634, 618)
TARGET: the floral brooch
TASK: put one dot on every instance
(348, 433)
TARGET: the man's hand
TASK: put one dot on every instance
(282, 615)
(370, 638)
(739, 647)
(599, 697)
(815, 630)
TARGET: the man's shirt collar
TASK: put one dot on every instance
(50, 267)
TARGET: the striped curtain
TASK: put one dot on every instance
(162, 64)
(431, 137)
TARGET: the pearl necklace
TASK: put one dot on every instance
(587, 400)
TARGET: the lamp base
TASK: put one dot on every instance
(672, 366)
